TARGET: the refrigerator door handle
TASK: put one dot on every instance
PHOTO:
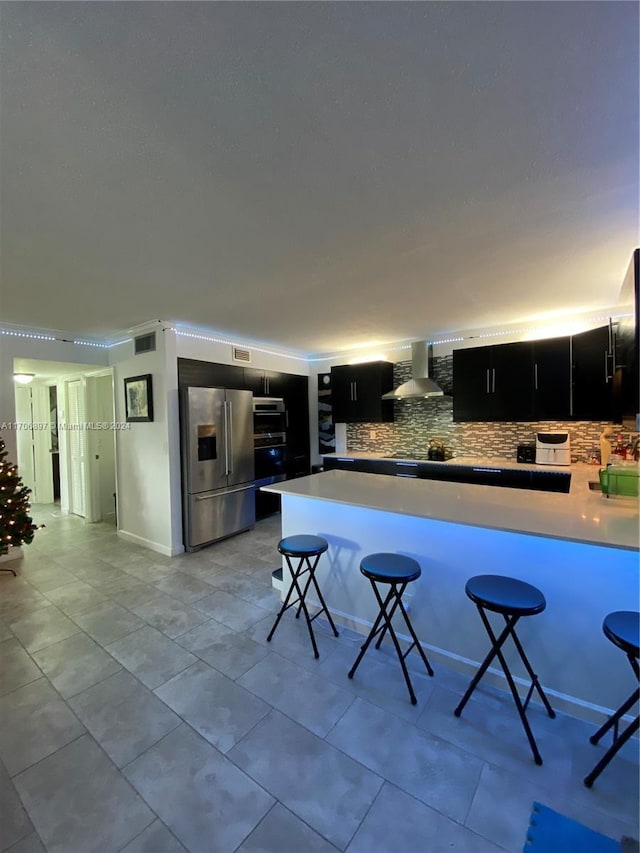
(226, 439)
(230, 439)
(225, 492)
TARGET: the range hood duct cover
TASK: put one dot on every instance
(420, 386)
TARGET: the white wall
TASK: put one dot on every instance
(148, 453)
(221, 353)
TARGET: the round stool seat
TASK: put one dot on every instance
(303, 545)
(390, 568)
(505, 595)
(623, 629)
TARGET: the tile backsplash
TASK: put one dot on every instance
(417, 421)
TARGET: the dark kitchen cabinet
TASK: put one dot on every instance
(357, 391)
(526, 381)
(592, 363)
(493, 383)
(296, 397)
(265, 383)
(206, 374)
(552, 379)
(480, 475)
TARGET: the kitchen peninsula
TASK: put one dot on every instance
(580, 549)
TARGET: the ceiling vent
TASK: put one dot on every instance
(145, 343)
(243, 355)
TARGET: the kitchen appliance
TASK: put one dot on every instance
(270, 451)
(420, 386)
(526, 453)
(217, 464)
(269, 422)
(553, 448)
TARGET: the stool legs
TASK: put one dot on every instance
(384, 616)
(619, 740)
(304, 565)
(496, 651)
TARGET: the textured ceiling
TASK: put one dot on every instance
(316, 175)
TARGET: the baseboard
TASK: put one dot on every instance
(152, 546)
(495, 678)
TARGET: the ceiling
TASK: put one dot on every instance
(315, 175)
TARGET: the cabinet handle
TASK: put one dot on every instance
(493, 390)
(488, 380)
(355, 392)
(606, 367)
(535, 376)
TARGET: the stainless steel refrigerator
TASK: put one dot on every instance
(217, 464)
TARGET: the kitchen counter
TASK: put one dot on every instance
(580, 516)
(580, 549)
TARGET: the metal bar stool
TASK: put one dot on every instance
(512, 599)
(397, 571)
(623, 629)
(305, 549)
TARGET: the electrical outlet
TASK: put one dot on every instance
(372, 434)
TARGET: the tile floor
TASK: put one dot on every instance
(141, 709)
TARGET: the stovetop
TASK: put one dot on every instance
(419, 457)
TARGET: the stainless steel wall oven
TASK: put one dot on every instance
(269, 422)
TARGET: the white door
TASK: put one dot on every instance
(100, 450)
(76, 436)
(24, 437)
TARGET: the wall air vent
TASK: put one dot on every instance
(145, 343)
(243, 355)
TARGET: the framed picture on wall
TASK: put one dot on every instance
(138, 398)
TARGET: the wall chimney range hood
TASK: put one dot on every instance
(420, 386)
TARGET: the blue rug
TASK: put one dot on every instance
(550, 832)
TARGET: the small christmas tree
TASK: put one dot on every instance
(16, 526)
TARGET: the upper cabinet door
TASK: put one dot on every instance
(357, 390)
(552, 379)
(194, 373)
(511, 382)
(265, 383)
(591, 379)
(472, 384)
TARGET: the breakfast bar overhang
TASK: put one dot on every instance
(580, 549)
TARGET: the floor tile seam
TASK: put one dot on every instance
(507, 763)
(223, 756)
(131, 840)
(379, 772)
(82, 734)
(32, 828)
(602, 810)
(103, 645)
(21, 686)
(117, 769)
(174, 675)
(22, 838)
(64, 639)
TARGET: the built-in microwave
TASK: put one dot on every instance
(269, 422)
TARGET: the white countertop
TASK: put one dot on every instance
(580, 516)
